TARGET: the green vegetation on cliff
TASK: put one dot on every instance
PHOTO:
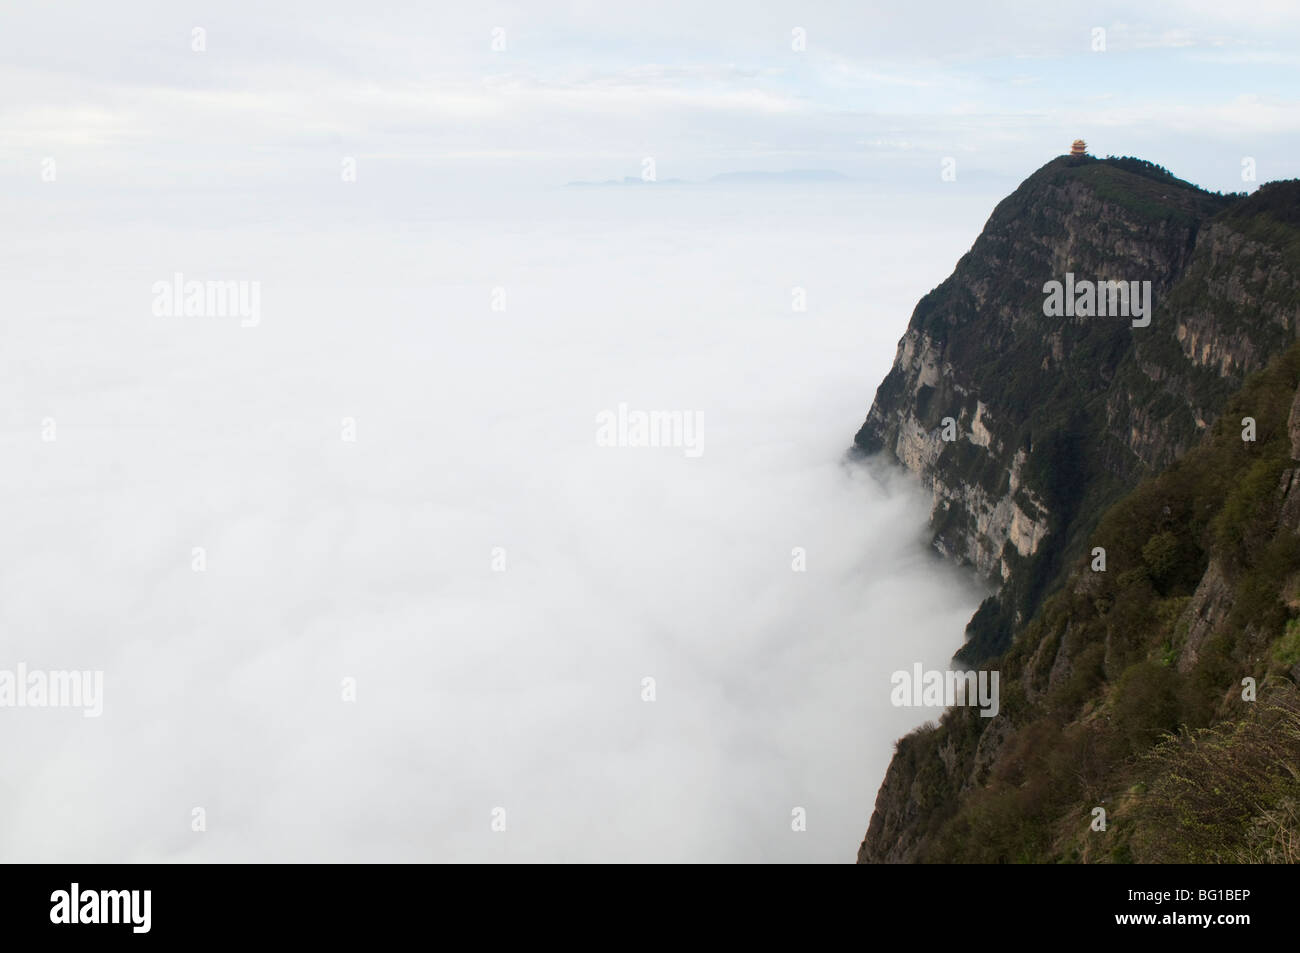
(1069, 424)
(1122, 688)
(1112, 701)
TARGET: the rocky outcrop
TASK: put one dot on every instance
(1142, 614)
(1207, 612)
(1026, 428)
(1293, 428)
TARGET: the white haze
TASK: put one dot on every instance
(475, 429)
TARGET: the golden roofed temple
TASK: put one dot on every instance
(1078, 148)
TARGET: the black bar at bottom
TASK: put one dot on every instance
(143, 903)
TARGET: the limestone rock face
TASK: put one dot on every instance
(1208, 609)
(1025, 427)
(1056, 417)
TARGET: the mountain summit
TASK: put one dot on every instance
(1050, 434)
(1053, 418)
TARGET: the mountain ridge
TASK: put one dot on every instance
(1056, 417)
(1052, 425)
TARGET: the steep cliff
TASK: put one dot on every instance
(1073, 433)
(1200, 591)
(1053, 418)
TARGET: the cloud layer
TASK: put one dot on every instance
(373, 559)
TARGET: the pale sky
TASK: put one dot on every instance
(118, 96)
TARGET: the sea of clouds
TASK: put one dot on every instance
(379, 559)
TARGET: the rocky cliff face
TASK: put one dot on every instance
(1202, 590)
(1053, 422)
(1051, 419)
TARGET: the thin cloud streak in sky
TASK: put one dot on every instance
(107, 90)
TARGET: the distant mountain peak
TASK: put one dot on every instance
(790, 175)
